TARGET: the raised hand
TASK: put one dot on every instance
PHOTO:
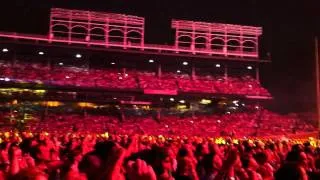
(139, 170)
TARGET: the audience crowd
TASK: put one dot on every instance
(129, 79)
(80, 156)
(235, 124)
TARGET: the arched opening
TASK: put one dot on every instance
(79, 33)
(217, 44)
(200, 42)
(97, 34)
(249, 46)
(233, 45)
(116, 35)
(60, 30)
(184, 41)
(133, 37)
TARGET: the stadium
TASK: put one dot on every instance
(93, 84)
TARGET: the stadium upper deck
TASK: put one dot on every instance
(76, 37)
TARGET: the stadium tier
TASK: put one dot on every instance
(131, 79)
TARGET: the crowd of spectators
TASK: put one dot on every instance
(79, 156)
(129, 79)
(234, 124)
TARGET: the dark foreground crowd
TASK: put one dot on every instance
(115, 157)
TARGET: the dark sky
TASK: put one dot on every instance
(289, 30)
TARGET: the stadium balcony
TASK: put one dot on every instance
(131, 79)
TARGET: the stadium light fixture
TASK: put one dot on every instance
(171, 99)
(5, 50)
(218, 65)
(249, 67)
(78, 56)
(41, 53)
(185, 63)
(151, 61)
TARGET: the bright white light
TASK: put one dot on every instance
(228, 112)
(178, 71)
(218, 121)
(236, 103)
(191, 122)
(151, 60)
(67, 77)
(41, 53)
(126, 75)
(257, 107)
(6, 79)
(166, 126)
(218, 65)
(5, 50)
(60, 63)
(171, 99)
(182, 101)
(113, 63)
(243, 104)
(249, 67)
(1, 79)
(78, 56)
(115, 98)
(185, 63)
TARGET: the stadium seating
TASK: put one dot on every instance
(131, 79)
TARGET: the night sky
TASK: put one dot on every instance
(289, 30)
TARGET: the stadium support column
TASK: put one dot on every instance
(225, 72)
(13, 60)
(49, 63)
(122, 115)
(193, 73)
(158, 117)
(257, 73)
(159, 71)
